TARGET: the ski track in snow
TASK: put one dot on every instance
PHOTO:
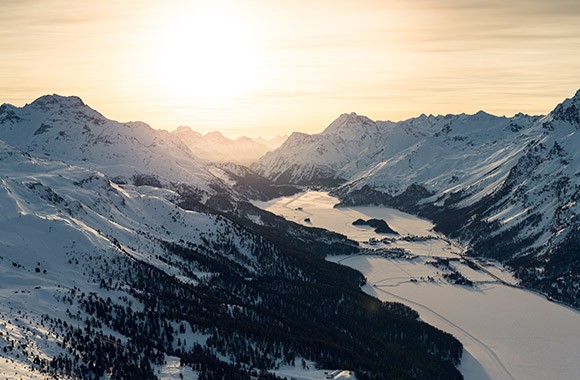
(456, 331)
(460, 333)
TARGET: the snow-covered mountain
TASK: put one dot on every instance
(112, 265)
(214, 146)
(64, 128)
(436, 151)
(306, 159)
(272, 143)
(508, 186)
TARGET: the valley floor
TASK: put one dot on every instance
(507, 332)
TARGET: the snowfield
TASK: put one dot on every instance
(60, 224)
(507, 332)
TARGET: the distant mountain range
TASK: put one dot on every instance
(507, 186)
(124, 255)
(214, 146)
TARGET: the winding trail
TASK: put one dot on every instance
(463, 335)
(501, 371)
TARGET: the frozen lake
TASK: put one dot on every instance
(507, 332)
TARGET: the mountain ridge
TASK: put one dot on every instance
(506, 186)
(117, 265)
(66, 128)
(214, 146)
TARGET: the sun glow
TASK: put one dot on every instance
(206, 56)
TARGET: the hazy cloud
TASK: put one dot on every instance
(387, 59)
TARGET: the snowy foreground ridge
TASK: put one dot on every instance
(507, 332)
(123, 255)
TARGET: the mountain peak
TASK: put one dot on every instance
(55, 100)
(569, 111)
(349, 116)
(482, 113)
(184, 130)
(216, 135)
(245, 139)
(349, 122)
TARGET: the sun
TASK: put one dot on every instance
(206, 55)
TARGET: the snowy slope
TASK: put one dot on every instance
(509, 186)
(72, 211)
(306, 158)
(472, 152)
(438, 152)
(532, 220)
(216, 147)
(69, 231)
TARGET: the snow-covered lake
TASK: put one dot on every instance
(507, 332)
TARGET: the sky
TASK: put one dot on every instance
(262, 68)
